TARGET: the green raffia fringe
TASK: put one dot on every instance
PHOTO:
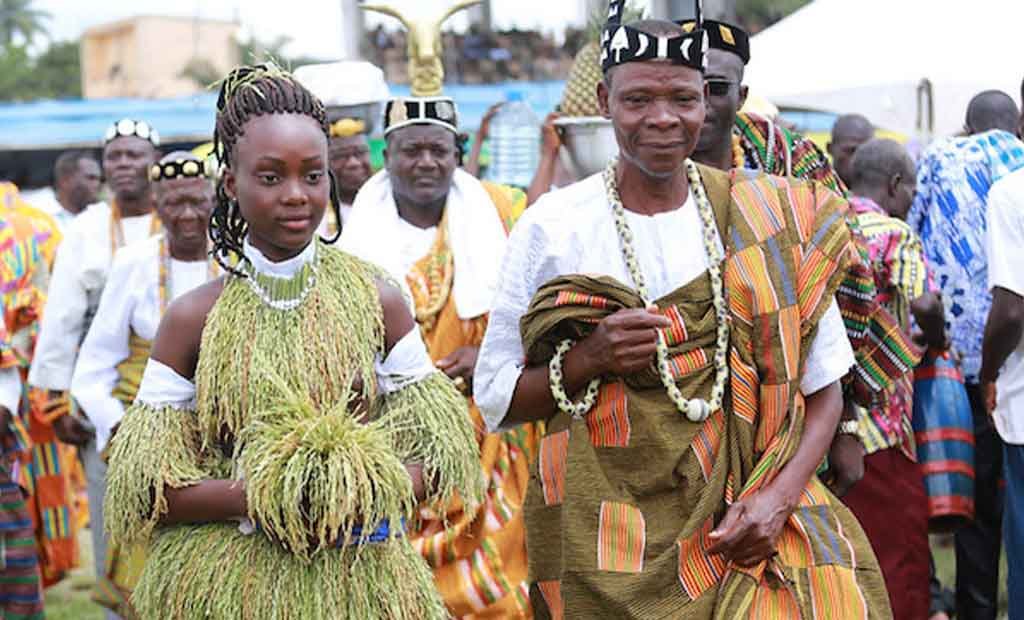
(214, 573)
(431, 425)
(153, 448)
(283, 388)
(319, 349)
(340, 471)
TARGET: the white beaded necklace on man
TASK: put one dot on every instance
(697, 409)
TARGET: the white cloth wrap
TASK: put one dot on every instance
(476, 237)
(10, 389)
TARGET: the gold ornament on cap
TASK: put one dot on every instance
(399, 113)
(426, 71)
(347, 127)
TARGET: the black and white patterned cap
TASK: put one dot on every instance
(405, 111)
(621, 44)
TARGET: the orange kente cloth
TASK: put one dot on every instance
(479, 560)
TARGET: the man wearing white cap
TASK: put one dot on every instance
(79, 274)
(441, 233)
(352, 91)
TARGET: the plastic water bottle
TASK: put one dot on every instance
(515, 143)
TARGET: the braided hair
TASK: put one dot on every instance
(246, 93)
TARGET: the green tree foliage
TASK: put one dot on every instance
(54, 74)
(19, 19)
(58, 71)
(756, 15)
(255, 50)
(202, 72)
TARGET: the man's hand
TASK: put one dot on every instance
(750, 530)
(484, 131)
(71, 430)
(460, 366)
(419, 486)
(846, 463)
(551, 137)
(623, 343)
(991, 396)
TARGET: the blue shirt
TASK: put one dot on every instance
(949, 213)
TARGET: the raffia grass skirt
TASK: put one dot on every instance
(215, 572)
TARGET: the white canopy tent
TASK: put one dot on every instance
(878, 58)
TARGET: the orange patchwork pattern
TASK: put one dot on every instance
(688, 363)
(608, 421)
(575, 298)
(705, 445)
(774, 413)
(744, 388)
(676, 334)
(698, 570)
(551, 465)
(621, 538)
(552, 593)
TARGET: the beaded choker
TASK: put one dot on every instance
(283, 293)
(696, 409)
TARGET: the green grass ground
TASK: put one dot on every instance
(945, 566)
(70, 600)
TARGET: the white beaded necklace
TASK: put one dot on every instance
(697, 409)
(283, 293)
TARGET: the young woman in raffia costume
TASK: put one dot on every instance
(295, 394)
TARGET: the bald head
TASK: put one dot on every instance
(884, 172)
(849, 132)
(992, 109)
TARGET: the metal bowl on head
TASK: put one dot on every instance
(588, 144)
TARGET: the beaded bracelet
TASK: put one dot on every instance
(555, 375)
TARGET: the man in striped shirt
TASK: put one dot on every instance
(890, 500)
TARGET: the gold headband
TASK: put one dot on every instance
(347, 127)
(178, 169)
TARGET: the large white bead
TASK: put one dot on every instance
(698, 410)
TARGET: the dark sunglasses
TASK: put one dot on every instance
(719, 88)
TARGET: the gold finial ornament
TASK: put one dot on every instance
(426, 71)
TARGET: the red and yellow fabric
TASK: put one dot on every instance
(479, 559)
(51, 495)
(20, 582)
(47, 233)
(623, 501)
(884, 354)
(900, 276)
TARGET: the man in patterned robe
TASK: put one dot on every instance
(441, 235)
(635, 511)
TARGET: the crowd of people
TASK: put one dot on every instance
(688, 386)
(483, 57)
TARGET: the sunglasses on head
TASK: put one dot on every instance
(719, 88)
